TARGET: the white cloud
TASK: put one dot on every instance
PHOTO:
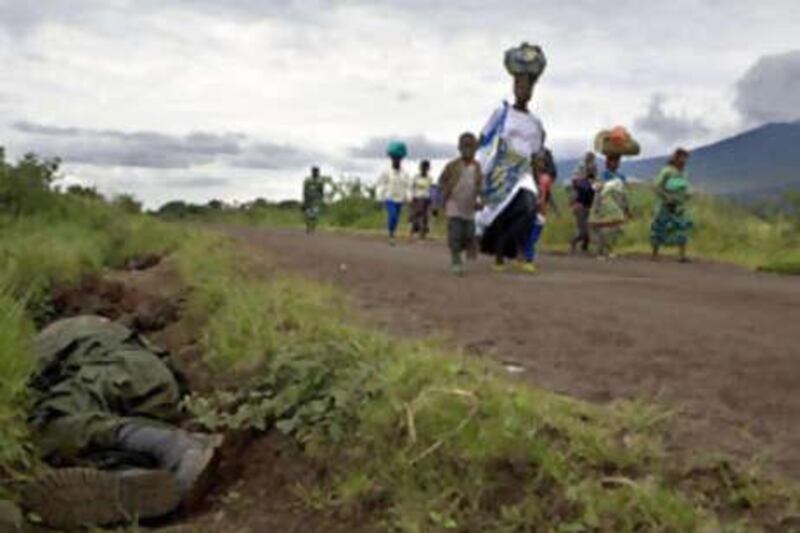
(312, 79)
(669, 128)
(770, 90)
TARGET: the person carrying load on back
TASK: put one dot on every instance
(105, 403)
(421, 187)
(672, 223)
(394, 187)
(313, 197)
(610, 209)
(582, 196)
(508, 143)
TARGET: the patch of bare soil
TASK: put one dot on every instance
(265, 485)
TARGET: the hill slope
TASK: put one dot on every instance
(758, 162)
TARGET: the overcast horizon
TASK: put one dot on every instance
(198, 99)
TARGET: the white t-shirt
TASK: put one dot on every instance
(394, 185)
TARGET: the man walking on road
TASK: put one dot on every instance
(313, 196)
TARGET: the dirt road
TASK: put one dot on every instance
(719, 343)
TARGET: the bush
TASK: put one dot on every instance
(25, 187)
(127, 203)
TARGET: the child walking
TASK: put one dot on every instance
(421, 200)
(460, 188)
(543, 176)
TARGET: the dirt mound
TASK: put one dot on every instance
(147, 301)
(265, 484)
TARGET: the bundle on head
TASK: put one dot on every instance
(616, 142)
(526, 59)
(397, 150)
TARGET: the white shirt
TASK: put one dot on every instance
(522, 132)
(394, 185)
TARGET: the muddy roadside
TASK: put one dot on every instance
(260, 476)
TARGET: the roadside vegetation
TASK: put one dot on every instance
(413, 438)
(50, 239)
(418, 439)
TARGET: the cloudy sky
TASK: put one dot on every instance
(201, 99)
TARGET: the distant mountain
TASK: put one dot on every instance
(761, 162)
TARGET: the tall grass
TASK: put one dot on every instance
(73, 238)
(16, 362)
(69, 238)
(416, 440)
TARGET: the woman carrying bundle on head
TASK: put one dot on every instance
(394, 187)
(509, 142)
(610, 210)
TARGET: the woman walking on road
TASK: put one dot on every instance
(672, 223)
(509, 142)
(610, 210)
(394, 187)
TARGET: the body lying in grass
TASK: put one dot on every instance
(105, 401)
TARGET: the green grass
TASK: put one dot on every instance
(723, 231)
(416, 439)
(786, 262)
(67, 239)
(16, 364)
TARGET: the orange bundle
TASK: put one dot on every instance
(616, 141)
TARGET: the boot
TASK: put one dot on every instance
(189, 456)
(68, 498)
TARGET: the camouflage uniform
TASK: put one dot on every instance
(93, 377)
(313, 195)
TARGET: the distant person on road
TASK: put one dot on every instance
(672, 223)
(421, 187)
(313, 196)
(509, 142)
(610, 209)
(460, 187)
(581, 200)
(394, 187)
(543, 167)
